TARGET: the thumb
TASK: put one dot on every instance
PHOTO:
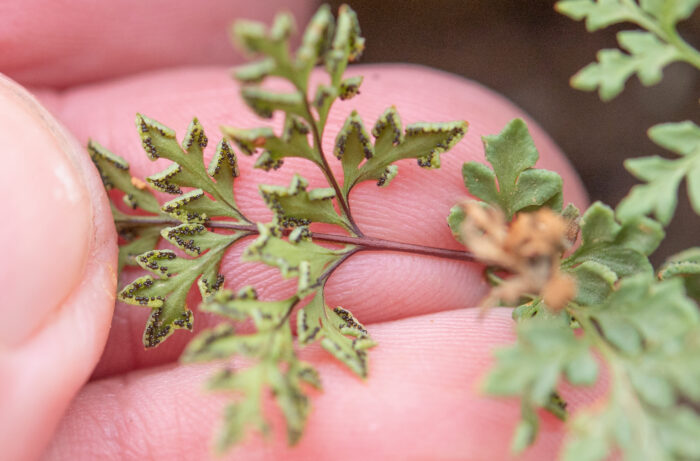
(58, 271)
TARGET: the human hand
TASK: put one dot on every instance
(421, 399)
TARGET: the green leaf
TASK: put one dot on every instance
(308, 374)
(188, 169)
(650, 55)
(642, 314)
(143, 233)
(648, 334)
(529, 310)
(597, 13)
(659, 195)
(534, 364)
(647, 57)
(323, 99)
(623, 248)
(654, 331)
(248, 140)
(242, 414)
(255, 72)
(337, 330)
(669, 11)
(582, 369)
(513, 185)
(454, 221)
(350, 87)
(246, 305)
(295, 406)
(642, 234)
(166, 295)
(510, 152)
(481, 182)
(295, 206)
(317, 38)
(663, 176)
(591, 435)
(195, 207)
(270, 346)
(526, 430)
(603, 13)
(139, 241)
(334, 45)
(352, 146)
(193, 239)
(162, 263)
(628, 425)
(275, 364)
(364, 161)
(114, 172)
(293, 143)
(679, 431)
(531, 369)
(323, 41)
(224, 167)
(246, 412)
(347, 45)
(301, 258)
(685, 265)
(648, 51)
(265, 103)
(222, 342)
(534, 186)
(682, 138)
(158, 140)
(594, 282)
(256, 39)
(693, 178)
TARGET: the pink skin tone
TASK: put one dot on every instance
(75, 381)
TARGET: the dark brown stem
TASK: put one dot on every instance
(321, 281)
(362, 243)
(330, 269)
(329, 173)
(284, 319)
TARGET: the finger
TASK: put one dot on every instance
(374, 286)
(421, 401)
(57, 276)
(48, 43)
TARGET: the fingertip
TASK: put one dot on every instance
(58, 275)
(46, 241)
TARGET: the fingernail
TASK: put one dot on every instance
(46, 215)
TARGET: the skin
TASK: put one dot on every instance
(76, 382)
